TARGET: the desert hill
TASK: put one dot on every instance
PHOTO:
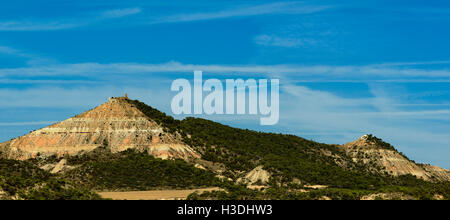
(117, 124)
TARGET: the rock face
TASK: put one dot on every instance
(388, 196)
(117, 125)
(369, 151)
(61, 166)
(437, 172)
(256, 176)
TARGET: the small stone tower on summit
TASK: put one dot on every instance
(118, 99)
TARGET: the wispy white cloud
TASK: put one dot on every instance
(66, 23)
(51, 96)
(270, 40)
(302, 72)
(32, 59)
(245, 11)
(8, 50)
(40, 81)
(8, 124)
(238, 11)
(118, 13)
(14, 52)
(415, 63)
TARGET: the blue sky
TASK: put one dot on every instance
(346, 68)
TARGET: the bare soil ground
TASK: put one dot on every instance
(154, 194)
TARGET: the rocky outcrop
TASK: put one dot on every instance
(2, 193)
(437, 172)
(59, 167)
(376, 157)
(257, 176)
(117, 125)
(388, 196)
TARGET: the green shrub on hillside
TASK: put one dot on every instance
(24, 180)
(131, 170)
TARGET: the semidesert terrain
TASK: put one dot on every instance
(125, 149)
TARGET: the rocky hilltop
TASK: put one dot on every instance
(380, 157)
(116, 124)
